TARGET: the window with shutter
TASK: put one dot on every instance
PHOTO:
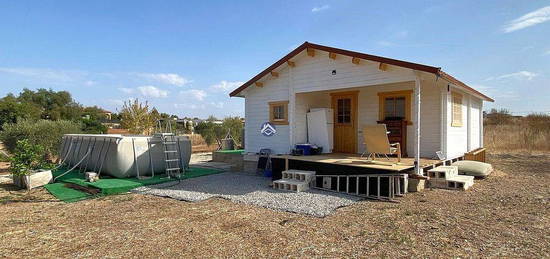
(456, 110)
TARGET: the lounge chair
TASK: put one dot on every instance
(377, 142)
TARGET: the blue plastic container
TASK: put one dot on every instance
(305, 147)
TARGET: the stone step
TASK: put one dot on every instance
(299, 175)
(443, 172)
(459, 182)
(290, 185)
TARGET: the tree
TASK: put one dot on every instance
(11, 109)
(135, 117)
(211, 131)
(93, 126)
(54, 105)
(234, 125)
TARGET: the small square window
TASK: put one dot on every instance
(395, 105)
(278, 112)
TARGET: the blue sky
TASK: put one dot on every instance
(183, 57)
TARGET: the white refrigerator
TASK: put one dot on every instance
(320, 128)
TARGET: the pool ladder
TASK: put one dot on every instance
(171, 154)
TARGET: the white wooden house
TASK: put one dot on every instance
(449, 120)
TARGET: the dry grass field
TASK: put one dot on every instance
(505, 215)
(504, 133)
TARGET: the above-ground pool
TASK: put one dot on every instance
(123, 156)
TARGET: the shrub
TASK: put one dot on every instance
(27, 157)
(44, 133)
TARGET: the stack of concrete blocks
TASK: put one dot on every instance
(446, 177)
(295, 180)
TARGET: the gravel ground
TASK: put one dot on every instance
(253, 190)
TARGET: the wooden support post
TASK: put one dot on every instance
(355, 60)
(378, 182)
(274, 74)
(417, 87)
(311, 52)
(286, 164)
(332, 55)
(259, 84)
(291, 63)
(357, 185)
(367, 189)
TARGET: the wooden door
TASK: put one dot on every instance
(344, 105)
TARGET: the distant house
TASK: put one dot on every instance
(108, 114)
(361, 89)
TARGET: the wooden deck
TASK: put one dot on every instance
(356, 161)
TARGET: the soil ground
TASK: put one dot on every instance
(506, 214)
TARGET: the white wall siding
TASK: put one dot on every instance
(430, 120)
(315, 73)
(457, 137)
(257, 112)
(475, 123)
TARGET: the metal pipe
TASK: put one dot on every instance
(91, 155)
(135, 159)
(150, 157)
(104, 157)
(99, 155)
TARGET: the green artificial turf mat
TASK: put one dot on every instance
(66, 194)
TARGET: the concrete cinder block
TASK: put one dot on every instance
(459, 182)
(443, 172)
(290, 185)
(416, 185)
(299, 175)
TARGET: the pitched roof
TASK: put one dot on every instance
(415, 66)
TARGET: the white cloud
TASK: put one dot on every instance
(533, 18)
(126, 90)
(217, 105)
(196, 94)
(48, 75)
(497, 93)
(151, 91)
(521, 75)
(171, 79)
(191, 106)
(320, 8)
(90, 83)
(226, 86)
(119, 102)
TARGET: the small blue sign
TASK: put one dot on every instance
(268, 129)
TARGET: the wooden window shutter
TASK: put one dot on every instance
(456, 110)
